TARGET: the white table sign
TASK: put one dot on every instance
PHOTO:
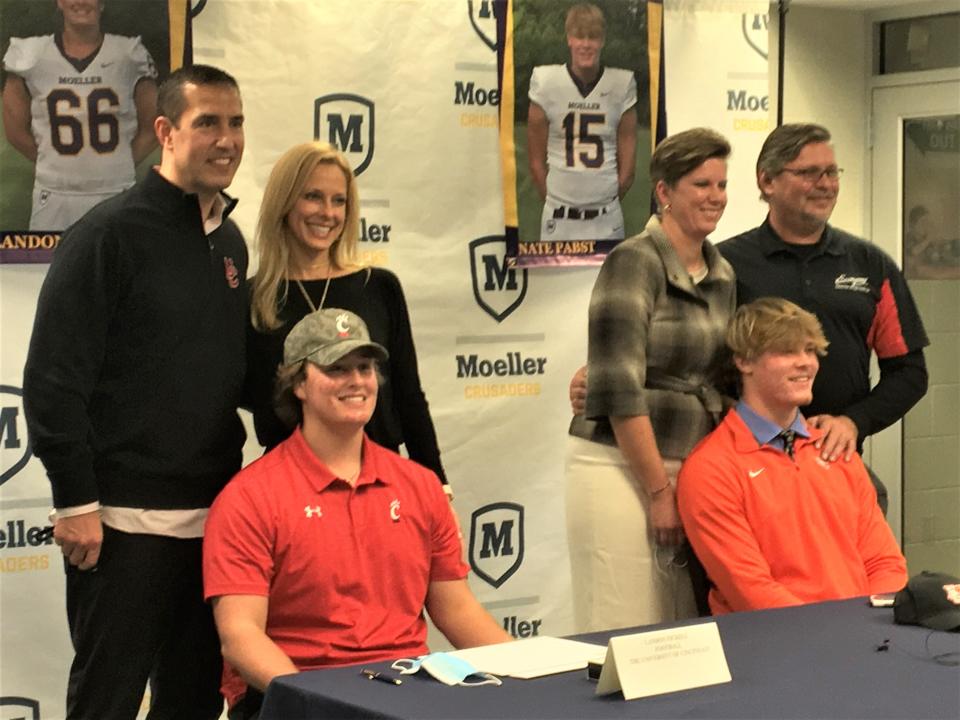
(662, 661)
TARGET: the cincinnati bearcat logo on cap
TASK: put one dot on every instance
(343, 325)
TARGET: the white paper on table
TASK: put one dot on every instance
(532, 657)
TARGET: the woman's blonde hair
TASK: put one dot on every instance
(286, 184)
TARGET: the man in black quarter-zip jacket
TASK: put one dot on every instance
(131, 386)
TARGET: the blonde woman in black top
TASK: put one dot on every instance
(307, 239)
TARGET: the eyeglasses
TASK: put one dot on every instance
(812, 175)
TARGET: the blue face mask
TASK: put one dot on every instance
(446, 668)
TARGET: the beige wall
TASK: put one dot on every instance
(931, 522)
(825, 82)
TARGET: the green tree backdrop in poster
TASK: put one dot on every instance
(27, 18)
(540, 39)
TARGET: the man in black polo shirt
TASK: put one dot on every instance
(855, 289)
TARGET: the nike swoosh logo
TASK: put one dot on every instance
(106, 64)
(754, 473)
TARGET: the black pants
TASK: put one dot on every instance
(140, 617)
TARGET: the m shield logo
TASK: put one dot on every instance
(498, 288)
(19, 708)
(754, 28)
(347, 122)
(483, 17)
(496, 542)
(15, 449)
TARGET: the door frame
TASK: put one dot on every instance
(885, 449)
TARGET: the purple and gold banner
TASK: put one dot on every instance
(575, 126)
(79, 97)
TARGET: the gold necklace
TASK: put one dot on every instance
(306, 295)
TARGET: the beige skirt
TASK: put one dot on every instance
(621, 578)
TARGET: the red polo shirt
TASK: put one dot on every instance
(346, 569)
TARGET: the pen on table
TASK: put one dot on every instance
(371, 675)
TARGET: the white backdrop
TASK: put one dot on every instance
(431, 187)
(717, 76)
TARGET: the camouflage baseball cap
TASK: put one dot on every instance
(325, 336)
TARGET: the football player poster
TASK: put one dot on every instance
(79, 98)
(581, 128)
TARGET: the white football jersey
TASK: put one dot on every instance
(582, 135)
(83, 120)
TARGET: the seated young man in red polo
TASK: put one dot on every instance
(773, 523)
(327, 550)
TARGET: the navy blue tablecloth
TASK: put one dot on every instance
(814, 661)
